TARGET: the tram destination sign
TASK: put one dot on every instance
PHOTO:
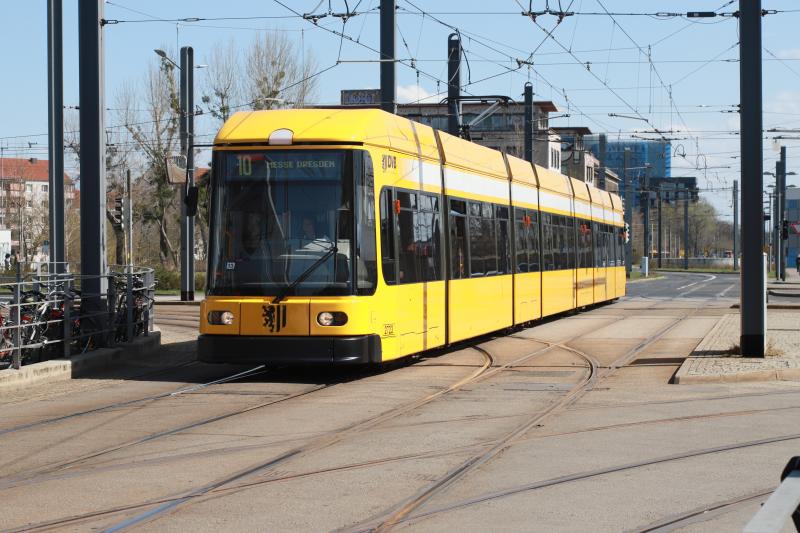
(285, 164)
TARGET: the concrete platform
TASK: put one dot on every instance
(78, 365)
(716, 358)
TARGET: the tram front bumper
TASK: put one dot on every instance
(358, 349)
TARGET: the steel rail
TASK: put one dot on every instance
(253, 371)
(388, 519)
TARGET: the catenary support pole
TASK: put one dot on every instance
(752, 304)
(453, 83)
(781, 214)
(55, 122)
(735, 224)
(129, 217)
(528, 124)
(686, 198)
(660, 232)
(776, 226)
(187, 147)
(648, 246)
(626, 178)
(388, 40)
(92, 162)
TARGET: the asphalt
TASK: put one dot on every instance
(687, 285)
(572, 425)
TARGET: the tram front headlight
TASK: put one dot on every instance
(220, 318)
(332, 318)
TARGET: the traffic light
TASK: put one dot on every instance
(785, 230)
(117, 213)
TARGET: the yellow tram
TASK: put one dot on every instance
(358, 236)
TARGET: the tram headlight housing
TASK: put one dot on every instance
(332, 318)
(220, 318)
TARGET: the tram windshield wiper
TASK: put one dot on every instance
(307, 272)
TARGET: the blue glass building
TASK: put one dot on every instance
(656, 153)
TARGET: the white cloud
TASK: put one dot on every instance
(412, 93)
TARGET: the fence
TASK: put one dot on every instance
(45, 313)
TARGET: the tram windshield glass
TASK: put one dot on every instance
(292, 222)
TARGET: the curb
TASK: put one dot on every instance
(775, 306)
(179, 303)
(784, 294)
(65, 369)
(682, 378)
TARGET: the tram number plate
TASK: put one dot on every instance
(274, 317)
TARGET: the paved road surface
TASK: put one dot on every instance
(571, 425)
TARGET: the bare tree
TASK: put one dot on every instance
(277, 76)
(222, 89)
(154, 131)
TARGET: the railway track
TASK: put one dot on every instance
(240, 480)
(702, 514)
(485, 371)
(388, 519)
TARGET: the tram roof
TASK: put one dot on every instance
(334, 126)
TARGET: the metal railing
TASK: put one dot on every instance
(48, 315)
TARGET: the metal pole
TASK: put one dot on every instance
(187, 147)
(453, 83)
(776, 229)
(601, 172)
(388, 84)
(781, 214)
(528, 122)
(686, 231)
(55, 123)
(92, 161)
(660, 232)
(628, 210)
(735, 224)
(129, 217)
(753, 312)
(648, 247)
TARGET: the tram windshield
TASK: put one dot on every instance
(299, 222)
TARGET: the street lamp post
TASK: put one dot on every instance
(186, 69)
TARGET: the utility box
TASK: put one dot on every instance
(644, 266)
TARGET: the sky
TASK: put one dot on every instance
(655, 71)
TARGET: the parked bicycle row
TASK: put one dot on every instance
(49, 316)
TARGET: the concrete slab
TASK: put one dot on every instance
(716, 358)
(65, 369)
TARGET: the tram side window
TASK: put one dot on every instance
(621, 246)
(571, 247)
(598, 245)
(429, 236)
(534, 250)
(503, 243)
(527, 240)
(611, 246)
(388, 227)
(482, 245)
(459, 258)
(407, 257)
(612, 236)
(548, 242)
(584, 244)
(410, 237)
(563, 242)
